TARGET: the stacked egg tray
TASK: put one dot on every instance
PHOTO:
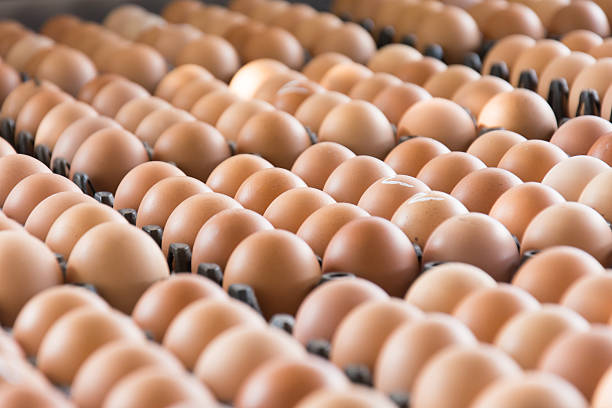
(398, 203)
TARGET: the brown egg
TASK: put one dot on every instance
(394, 100)
(92, 157)
(33, 62)
(227, 177)
(169, 39)
(581, 40)
(392, 57)
(596, 77)
(112, 362)
(507, 49)
(222, 233)
(35, 109)
(375, 249)
(25, 48)
(155, 123)
(264, 256)
(67, 68)
(411, 16)
(444, 84)
(587, 296)
(178, 77)
(267, 12)
(293, 15)
(250, 77)
(10, 80)
(480, 11)
(409, 347)
(30, 191)
(457, 131)
(581, 358)
(233, 119)
(284, 382)
(606, 105)
(362, 171)
(29, 266)
(274, 43)
(479, 190)
(348, 39)
(76, 335)
(315, 108)
(368, 88)
(564, 66)
(316, 163)
(419, 71)
(12, 32)
(601, 150)
(344, 76)
(130, 259)
(579, 15)
(240, 33)
(16, 167)
(90, 89)
(135, 184)
(311, 30)
(58, 119)
(187, 95)
(474, 95)
(133, 112)
(214, 53)
(353, 397)
(165, 299)
(532, 159)
(360, 126)
(595, 194)
(138, 17)
(385, 195)
(516, 18)
(491, 146)
(411, 155)
(259, 189)
(291, 95)
(572, 224)
(537, 57)
(139, 63)
(212, 105)
(360, 336)
(56, 26)
(478, 240)
(543, 389)
(289, 210)
(571, 175)
(443, 172)
(18, 97)
(199, 323)
(43, 310)
(112, 96)
(6, 148)
(316, 69)
(231, 357)
(17, 395)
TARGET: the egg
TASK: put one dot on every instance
(394, 100)
(315, 108)
(311, 30)
(30, 191)
(15, 395)
(18, 97)
(532, 159)
(233, 119)
(317, 67)
(384, 196)
(594, 77)
(292, 16)
(35, 109)
(284, 382)
(356, 397)
(118, 18)
(507, 50)
(606, 105)
(259, 189)
(25, 48)
(268, 89)
(411, 16)
(409, 347)
(188, 94)
(10, 81)
(576, 136)
(600, 396)
(368, 88)
(12, 32)
(231, 357)
(227, 176)
(444, 84)
(108, 365)
(392, 57)
(419, 71)
(595, 194)
(600, 149)
(457, 131)
(59, 119)
(220, 235)
(67, 68)
(443, 172)
(291, 208)
(133, 112)
(16, 167)
(170, 39)
(155, 123)
(516, 18)
(278, 253)
(410, 156)
(348, 39)
(200, 322)
(564, 66)
(581, 40)
(112, 96)
(91, 88)
(480, 189)
(290, 96)
(571, 175)
(344, 76)
(491, 146)
(215, 54)
(239, 34)
(587, 16)
(274, 43)
(474, 95)
(579, 357)
(211, 106)
(178, 77)
(480, 11)
(537, 58)
(315, 164)
(587, 296)
(139, 63)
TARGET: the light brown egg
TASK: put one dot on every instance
(411, 155)
(289, 210)
(394, 100)
(360, 126)
(110, 363)
(95, 153)
(284, 382)
(587, 296)
(547, 10)
(348, 39)
(43, 310)
(165, 299)
(76, 335)
(18, 97)
(528, 334)
(10, 80)
(581, 40)
(491, 146)
(239, 34)
(444, 84)
(411, 345)
(248, 78)
(368, 88)
(571, 175)
(564, 66)
(474, 95)
(576, 136)
(353, 397)
(595, 194)
(227, 177)
(419, 71)
(579, 15)
(33, 62)
(222, 232)
(231, 357)
(90, 89)
(601, 150)
(480, 11)
(211, 106)
(58, 119)
(133, 112)
(67, 68)
(158, 121)
(411, 16)
(118, 19)
(344, 76)
(291, 95)
(392, 57)
(478, 240)
(200, 322)
(537, 57)
(12, 32)
(316, 163)
(315, 108)
(443, 172)
(139, 63)
(215, 54)
(56, 26)
(187, 95)
(16, 167)
(480, 189)
(311, 30)
(178, 77)
(262, 258)
(317, 67)
(516, 18)
(169, 39)
(543, 389)
(532, 159)
(35, 109)
(385, 195)
(292, 16)
(233, 119)
(375, 249)
(15, 395)
(25, 48)
(112, 96)
(259, 189)
(606, 105)
(596, 77)
(267, 12)
(274, 43)
(507, 49)
(581, 358)
(268, 89)
(30, 191)
(130, 259)
(6, 148)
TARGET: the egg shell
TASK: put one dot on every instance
(58, 119)
(275, 43)
(596, 77)
(587, 296)
(233, 119)
(289, 210)
(315, 108)
(588, 16)
(310, 30)
(410, 156)
(248, 78)
(443, 172)
(211, 106)
(480, 189)
(474, 95)
(215, 54)
(507, 49)
(354, 397)
(385, 195)
(349, 39)
(259, 189)
(291, 95)
(187, 95)
(15, 395)
(169, 39)
(391, 57)
(581, 40)
(15, 168)
(516, 18)
(10, 80)
(491, 146)
(600, 396)
(18, 97)
(601, 149)
(595, 194)
(133, 112)
(25, 48)
(90, 89)
(317, 67)
(112, 96)
(444, 84)
(419, 71)
(227, 177)
(35, 109)
(571, 175)
(157, 122)
(394, 100)
(139, 63)
(368, 88)
(344, 76)
(532, 159)
(316, 163)
(67, 68)
(268, 88)
(537, 58)
(564, 66)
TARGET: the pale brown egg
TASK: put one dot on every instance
(480, 189)
(317, 67)
(419, 71)
(10, 80)
(231, 357)
(112, 96)
(443, 172)
(586, 295)
(165, 299)
(6, 148)
(15, 395)
(444, 84)
(580, 15)
(169, 39)
(90, 89)
(315, 108)
(56, 26)
(384, 196)
(220, 235)
(601, 150)
(67, 68)
(188, 94)
(274, 43)
(214, 53)
(110, 363)
(606, 105)
(348, 39)
(411, 16)
(292, 16)
(35, 109)
(571, 175)
(507, 50)
(353, 397)
(411, 155)
(474, 95)
(597, 77)
(289, 210)
(12, 32)
(130, 260)
(158, 121)
(178, 77)
(581, 40)
(368, 88)
(537, 57)
(595, 194)
(580, 357)
(392, 57)
(576, 136)
(394, 100)
(374, 249)
(128, 20)
(211, 106)
(227, 177)
(478, 240)
(266, 12)
(43, 310)
(268, 89)
(291, 95)
(344, 76)
(58, 119)
(203, 320)
(411, 345)
(18, 97)
(516, 18)
(211, 19)
(16, 167)
(362, 333)
(133, 112)
(532, 159)
(239, 34)
(311, 30)
(237, 114)
(139, 63)
(316, 163)
(564, 66)
(546, 10)
(259, 189)
(491, 146)
(480, 11)
(25, 48)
